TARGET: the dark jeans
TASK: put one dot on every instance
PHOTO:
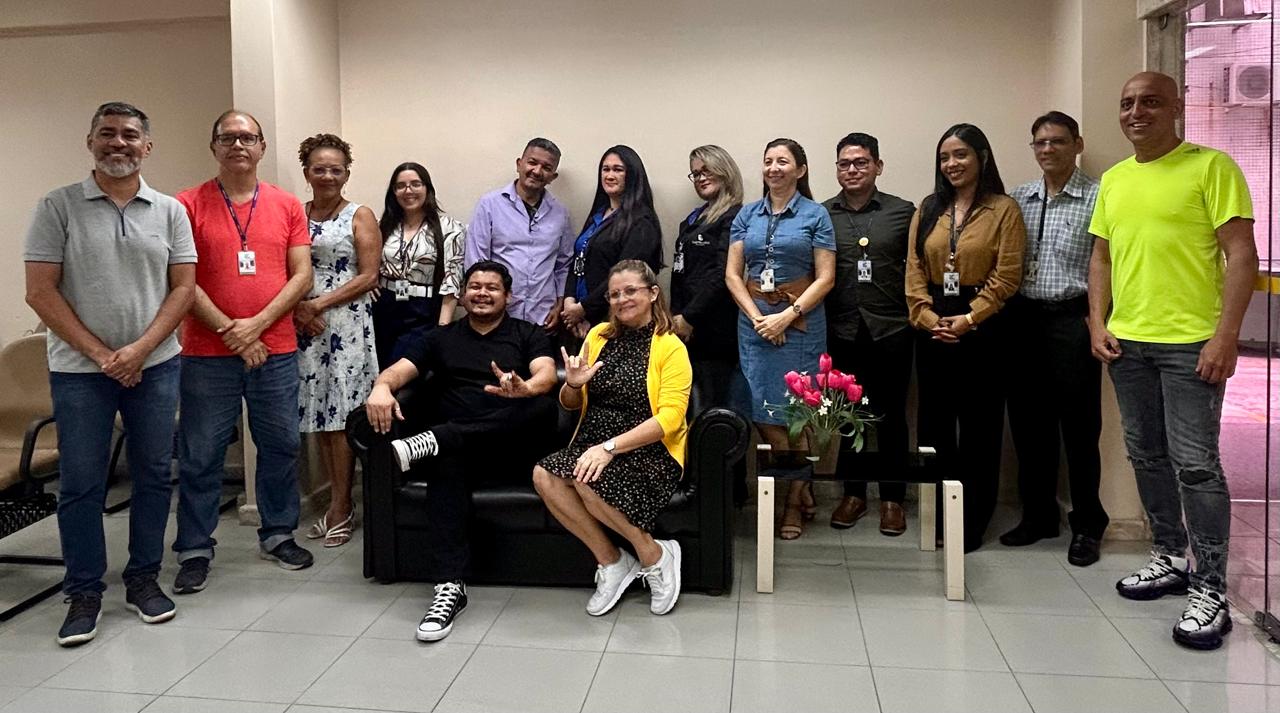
(883, 367)
(85, 406)
(398, 323)
(1055, 386)
(212, 388)
(1171, 424)
(962, 416)
(472, 449)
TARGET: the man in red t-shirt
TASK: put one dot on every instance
(238, 343)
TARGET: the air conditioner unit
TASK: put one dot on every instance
(1250, 83)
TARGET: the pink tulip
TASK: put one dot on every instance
(795, 383)
(837, 381)
(824, 363)
(822, 380)
(854, 392)
(813, 398)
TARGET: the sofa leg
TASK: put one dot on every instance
(764, 534)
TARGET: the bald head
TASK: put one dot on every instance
(1150, 105)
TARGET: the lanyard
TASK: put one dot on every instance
(690, 221)
(955, 234)
(243, 231)
(774, 219)
(403, 254)
(865, 233)
(1044, 208)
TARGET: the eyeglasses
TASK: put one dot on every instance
(321, 171)
(699, 175)
(231, 139)
(858, 164)
(627, 292)
(1046, 143)
(411, 185)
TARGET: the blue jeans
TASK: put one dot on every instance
(212, 388)
(1171, 424)
(85, 406)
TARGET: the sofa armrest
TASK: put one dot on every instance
(717, 441)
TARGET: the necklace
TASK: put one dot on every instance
(327, 216)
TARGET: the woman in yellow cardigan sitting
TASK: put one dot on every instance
(631, 383)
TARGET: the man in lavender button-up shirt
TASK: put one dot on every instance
(524, 227)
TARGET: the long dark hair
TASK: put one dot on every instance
(989, 182)
(393, 214)
(636, 193)
(802, 160)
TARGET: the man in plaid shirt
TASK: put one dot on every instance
(1056, 383)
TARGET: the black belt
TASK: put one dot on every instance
(1074, 306)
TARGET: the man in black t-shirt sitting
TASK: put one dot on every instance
(491, 376)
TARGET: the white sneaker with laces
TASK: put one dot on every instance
(663, 578)
(449, 602)
(1163, 574)
(611, 581)
(414, 448)
(1204, 621)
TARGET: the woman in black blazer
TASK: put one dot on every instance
(622, 225)
(706, 317)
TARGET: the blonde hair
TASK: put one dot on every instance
(722, 166)
(663, 322)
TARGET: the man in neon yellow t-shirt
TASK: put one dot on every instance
(1174, 260)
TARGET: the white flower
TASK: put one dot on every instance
(791, 399)
(865, 401)
(822, 411)
(825, 403)
(770, 412)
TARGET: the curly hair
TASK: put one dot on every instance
(323, 141)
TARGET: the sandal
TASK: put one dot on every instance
(792, 523)
(340, 534)
(319, 529)
(808, 505)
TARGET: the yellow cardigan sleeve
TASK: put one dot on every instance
(674, 379)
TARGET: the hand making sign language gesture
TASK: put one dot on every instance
(510, 385)
(576, 372)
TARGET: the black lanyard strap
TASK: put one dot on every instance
(242, 230)
(774, 219)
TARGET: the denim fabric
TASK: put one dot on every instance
(85, 406)
(1171, 424)
(212, 388)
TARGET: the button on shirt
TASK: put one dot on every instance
(881, 304)
(537, 249)
(1064, 248)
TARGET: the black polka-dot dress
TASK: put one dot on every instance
(638, 483)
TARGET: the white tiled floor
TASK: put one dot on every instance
(857, 624)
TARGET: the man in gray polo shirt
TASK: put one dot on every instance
(110, 268)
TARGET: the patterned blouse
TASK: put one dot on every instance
(417, 263)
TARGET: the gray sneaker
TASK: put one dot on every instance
(143, 595)
(81, 624)
(288, 555)
(611, 582)
(663, 578)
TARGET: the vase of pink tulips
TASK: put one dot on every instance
(824, 407)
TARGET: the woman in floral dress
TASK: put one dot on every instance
(336, 358)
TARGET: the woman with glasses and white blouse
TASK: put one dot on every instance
(421, 274)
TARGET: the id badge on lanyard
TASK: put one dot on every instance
(951, 276)
(247, 262)
(402, 290)
(767, 282)
(677, 265)
(951, 284)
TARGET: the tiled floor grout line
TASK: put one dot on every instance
(866, 648)
(978, 608)
(474, 649)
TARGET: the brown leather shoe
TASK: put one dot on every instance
(848, 512)
(893, 519)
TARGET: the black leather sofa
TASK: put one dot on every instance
(515, 540)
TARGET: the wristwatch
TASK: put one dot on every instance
(609, 446)
(795, 307)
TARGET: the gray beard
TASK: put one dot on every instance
(119, 169)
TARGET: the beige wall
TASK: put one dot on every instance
(461, 85)
(53, 79)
